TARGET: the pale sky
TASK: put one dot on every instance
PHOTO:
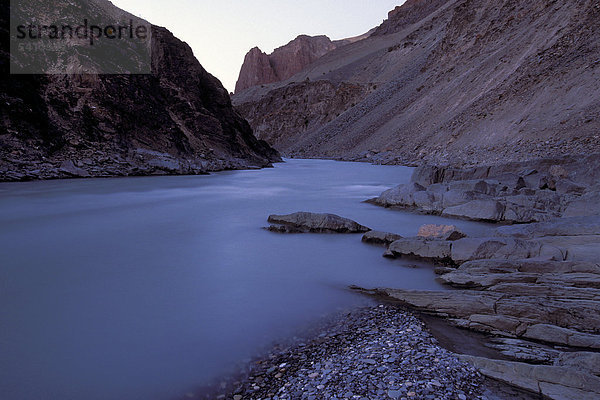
(222, 31)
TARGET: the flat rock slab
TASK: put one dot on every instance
(432, 249)
(555, 382)
(571, 322)
(303, 222)
(377, 237)
(575, 226)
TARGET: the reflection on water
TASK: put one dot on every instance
(143, 288)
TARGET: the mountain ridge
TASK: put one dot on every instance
(473, 81)
(176, 120)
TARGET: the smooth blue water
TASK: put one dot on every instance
(144, 288)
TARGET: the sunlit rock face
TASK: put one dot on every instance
(260, 68)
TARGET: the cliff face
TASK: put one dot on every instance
(176, 120)
(473, 81)
(260, 68)
(306, 106)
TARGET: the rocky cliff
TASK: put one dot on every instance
(457, 81)
(260, 68)
(176, 120)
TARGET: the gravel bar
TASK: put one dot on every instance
(375, 352)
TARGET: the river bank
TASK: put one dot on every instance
(165, 283)
(378, 352)
(533, 285)
(530, 288)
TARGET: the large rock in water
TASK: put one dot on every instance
(176, 120)
(316, 223)
(378, 237)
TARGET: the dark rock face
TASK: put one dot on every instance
(176, 120)
(260, 68)
(326, 102)
(302, 222)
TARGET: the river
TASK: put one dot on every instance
(144, 288)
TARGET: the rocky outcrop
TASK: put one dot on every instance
(443, 232)
(554, 382)
(531, 192)
(302, 222)
(260, 68)
(378, 237)
(534, 288)
(256, 70)
(458, 81)
(176, 120)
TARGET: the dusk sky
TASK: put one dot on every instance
(221, 32)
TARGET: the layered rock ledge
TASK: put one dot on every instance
(534, 288)
(509, 193)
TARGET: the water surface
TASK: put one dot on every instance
(144, 288)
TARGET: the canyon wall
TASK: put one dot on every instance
(457, 81)
(176, 120)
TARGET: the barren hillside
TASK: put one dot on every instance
(470, 81)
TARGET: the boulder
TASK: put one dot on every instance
(433, 249)
(588, 204)
(468, 249)
(453, 197)
(377, 237)
(477, 210)
(401, 195)
(566, 186)
(444, 232)
(316, 223)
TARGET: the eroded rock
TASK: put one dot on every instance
(315, 223)
(377, 237)
(443, 232)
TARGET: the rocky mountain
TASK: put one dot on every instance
(455, 81)
(176, 120)
(411, 12)
(260, 68)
